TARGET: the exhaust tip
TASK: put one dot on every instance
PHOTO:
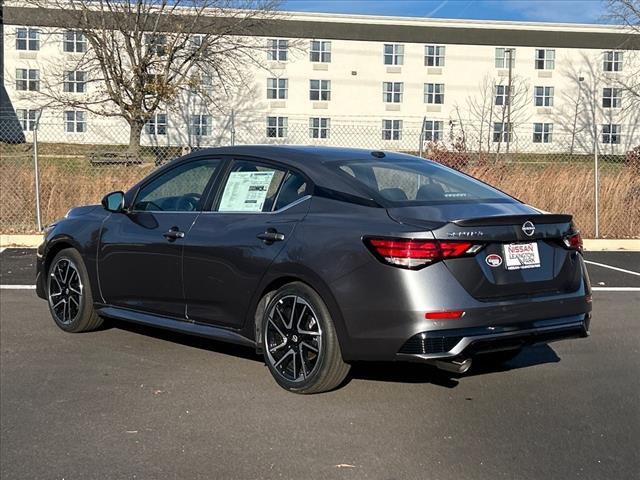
(454, 366)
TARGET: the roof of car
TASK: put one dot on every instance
(297, 154)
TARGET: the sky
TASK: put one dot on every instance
(573, 11)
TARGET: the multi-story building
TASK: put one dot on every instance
(360, 80)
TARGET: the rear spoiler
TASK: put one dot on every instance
(514, 220)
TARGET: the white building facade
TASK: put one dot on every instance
(372, 81)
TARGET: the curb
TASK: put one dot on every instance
(24, 241)
(590, 245)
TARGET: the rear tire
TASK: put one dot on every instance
(300, 344)
(69, 293)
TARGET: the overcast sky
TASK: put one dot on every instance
(577, 11)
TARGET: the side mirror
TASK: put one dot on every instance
(113, 202)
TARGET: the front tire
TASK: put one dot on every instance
(69, 293)
(300, 344)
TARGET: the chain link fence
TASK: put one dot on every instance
(551, 171)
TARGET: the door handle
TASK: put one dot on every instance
(270, 236)
(173, 234)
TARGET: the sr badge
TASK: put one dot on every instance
(493, 260)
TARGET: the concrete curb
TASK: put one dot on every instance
(24, 241)
(593, 245)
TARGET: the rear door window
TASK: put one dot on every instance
(250, 187)
(293, 188)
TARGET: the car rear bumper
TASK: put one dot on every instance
(466, 342)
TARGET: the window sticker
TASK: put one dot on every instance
(246, 191)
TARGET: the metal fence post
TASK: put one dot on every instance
(233, 127)
(421, 146)
(37, 170)
(596, 181)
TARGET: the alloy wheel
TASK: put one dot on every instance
(293, 338)
(65, 291)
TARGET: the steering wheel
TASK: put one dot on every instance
(189, 201)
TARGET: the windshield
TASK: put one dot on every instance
(400, 182)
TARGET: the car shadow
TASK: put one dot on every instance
(397, 372)
(193, 341)
(406, 372)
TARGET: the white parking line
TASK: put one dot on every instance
(612, 268)
(17, 287)
(615, 289)
(2, 249)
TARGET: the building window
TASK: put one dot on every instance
(200, 125)
(157, 124)
(503, 55)
(195, 41)
(612, 61)
(320, 90)
(392, 129)
(27, 119)
(501, 132)
(277, 88)
(433, 130)
(611, 133)
(542, 132)
(319, 127)
(393, 54)
(611, 97)
(320, 51)
(545, 59)
(27, 39)
(434, 93)
(392, 92)
(28, 79)
(277, 127)
(156, 42)
(75, 82)
(502, 95)
(543, 96)
(75, 121)
(434, 55)
(277, 49)
(74, 41)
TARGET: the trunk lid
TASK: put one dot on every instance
(522, 253)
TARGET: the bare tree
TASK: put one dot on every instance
(627, 14)
(491, 105)
(144, 55)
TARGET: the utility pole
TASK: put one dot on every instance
(510, 50)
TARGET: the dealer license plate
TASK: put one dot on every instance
(521, 255)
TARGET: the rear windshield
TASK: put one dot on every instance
(399, 182)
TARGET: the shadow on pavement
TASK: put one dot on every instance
(398, 372)
(405, 372)
(187, 340)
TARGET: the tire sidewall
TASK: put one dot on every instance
(324, 318)
(86, 304)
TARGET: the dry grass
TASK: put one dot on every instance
(566, 188)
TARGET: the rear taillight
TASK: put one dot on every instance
(415, 254)
(573, 241)
(444, 315)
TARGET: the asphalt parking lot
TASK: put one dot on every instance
(135, 403)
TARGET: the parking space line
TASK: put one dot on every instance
(612, 268)
(615, 289)
(17, 287)
(2, 249)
